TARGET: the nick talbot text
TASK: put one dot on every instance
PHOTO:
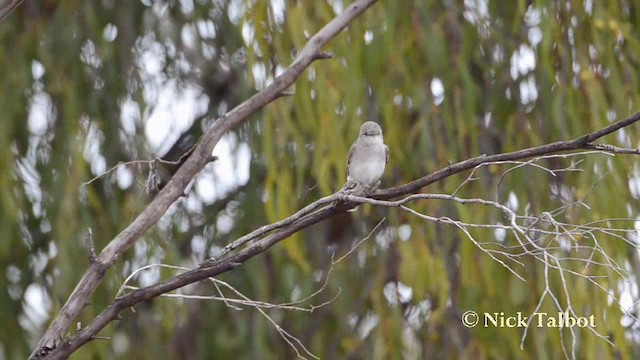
(538, 319)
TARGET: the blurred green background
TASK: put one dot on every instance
(88, 84)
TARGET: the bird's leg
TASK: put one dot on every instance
(369, 189)
(349, 187)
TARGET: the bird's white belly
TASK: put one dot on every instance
(368, 172)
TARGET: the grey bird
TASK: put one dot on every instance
(367, 159)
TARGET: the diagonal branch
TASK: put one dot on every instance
(196, 161)
(7, 6)
(265, 237)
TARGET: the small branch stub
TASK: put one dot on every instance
(323, 56)
(88, 238)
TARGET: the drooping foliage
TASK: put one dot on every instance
(87, 85)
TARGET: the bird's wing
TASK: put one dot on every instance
(351, 151)
(386, 153)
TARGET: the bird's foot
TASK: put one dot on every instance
(352, 187)
(370, 189)
(349, 187)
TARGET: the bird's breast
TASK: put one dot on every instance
(368, 166)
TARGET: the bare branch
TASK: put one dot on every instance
(358, 243)
(151, 163)
(7, 6)
(583, 142)
(268, 228)
(613, 149)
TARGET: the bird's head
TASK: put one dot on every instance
(370, 128)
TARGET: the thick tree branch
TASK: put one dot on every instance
(312, 214)
(7, 6)
(199, 158)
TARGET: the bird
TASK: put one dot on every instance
(367, 159)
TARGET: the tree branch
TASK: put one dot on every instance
(174, 189)
(312, 214)
(7, 6)
(581, 143)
